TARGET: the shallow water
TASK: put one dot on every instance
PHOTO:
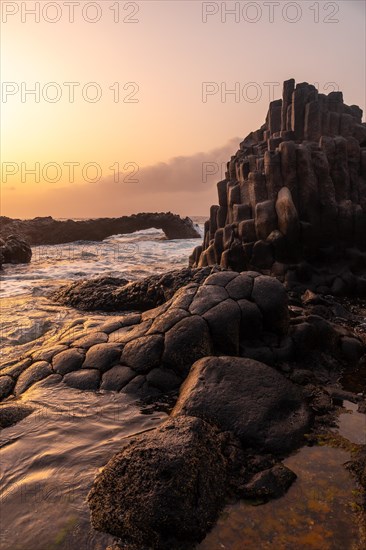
(132, 256)
(352, 424)
(49, 460)
(27, 315)
(316, 513)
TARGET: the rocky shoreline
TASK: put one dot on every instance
(14, 250)
(261, 369)
(247, 347)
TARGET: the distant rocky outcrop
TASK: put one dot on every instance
(14, 250)
(294, 196)
(44, 231)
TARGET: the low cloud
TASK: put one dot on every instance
(195, 173)
(185, 185)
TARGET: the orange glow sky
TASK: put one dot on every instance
(169, 132)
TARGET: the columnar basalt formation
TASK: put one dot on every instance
(234, 314)
(152, 352)
(294, 192)
(44, 231)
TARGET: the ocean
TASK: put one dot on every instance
(27, 314)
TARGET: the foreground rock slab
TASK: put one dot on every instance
(260, 406)
(11, 413)
(152, 352)
(165, 489)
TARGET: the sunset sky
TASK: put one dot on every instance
(161, 130)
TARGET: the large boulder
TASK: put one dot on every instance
(163, 490)
(252, 400)
(14, 250)
(11, 413)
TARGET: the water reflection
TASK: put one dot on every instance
(352, 424)
(49, 461)
(317, 512)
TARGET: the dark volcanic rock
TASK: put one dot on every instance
(113, 294)
(14, 250)
(11, 413)
(186, 342)
(224, 324)
(41, 231)
(271, 298)
(240, 287)
(16, 368)
(6, 386)
(32, 374)
(117, 378)
(143, 353)
(127, 334)
(90, 294)
(271, 483)
(198, 321)
(85, 379)
(164, 379)
(165, 489)
(46, 354)
(261, 407)
(207, 296)
(90, 339)
(251, 320)
(68, 361)
(102, 357)
(295, 191)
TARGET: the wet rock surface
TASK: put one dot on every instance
(14, 250)
(165, 489)
(230, 428)
(199, 320)
(11, 413)
(270, 483)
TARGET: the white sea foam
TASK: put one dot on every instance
(131, 256)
